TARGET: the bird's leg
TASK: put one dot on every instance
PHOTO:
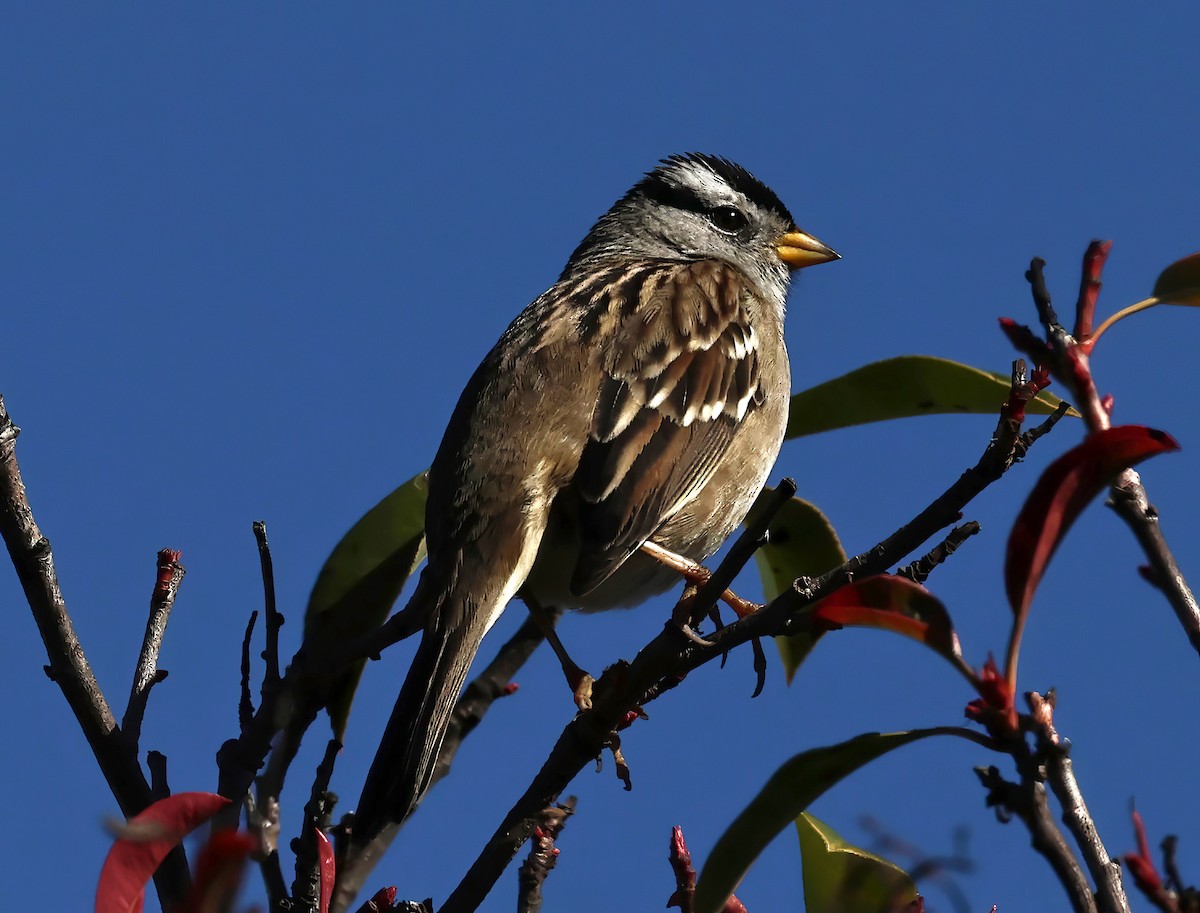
(579, 681)
(695, 573)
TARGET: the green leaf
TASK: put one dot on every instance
(361, 580)
(839, 876)
(791, 789)
(801, 542)
(902, 387)
(1179, 283)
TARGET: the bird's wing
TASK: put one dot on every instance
(681, 373)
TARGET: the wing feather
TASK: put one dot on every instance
(681, 373)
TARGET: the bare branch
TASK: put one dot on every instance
(147, 674)
(69, 668)
(245, 702)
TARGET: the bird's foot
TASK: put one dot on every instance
(697, 574)
(581, 684)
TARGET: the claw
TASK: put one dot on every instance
(697, 575)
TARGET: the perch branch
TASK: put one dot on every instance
(670, 655)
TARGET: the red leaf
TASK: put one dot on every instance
(219, 872)
(892, 603)
(1061, 494)
(1141, 863)
(328, 868)
(144, 843)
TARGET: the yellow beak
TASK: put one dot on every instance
(798, 249)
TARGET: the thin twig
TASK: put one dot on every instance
(272, 620)
(156, 762)
(919, 570)
(147, 674)
(1089, 287)
(1028, 439)
(69, 669)
(1169, 844)
(245, 702)
(543, 855)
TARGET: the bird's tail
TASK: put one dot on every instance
(407, 757)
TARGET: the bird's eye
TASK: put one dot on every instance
(728, 218)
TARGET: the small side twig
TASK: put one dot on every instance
(919, 570)
(147, 674)
(272, 620)
(543, 855)
(684, 896)
(318, 812)
(245, 701)
(1089, 287)
(1168, 846)
(156, 761)
(1030, 437)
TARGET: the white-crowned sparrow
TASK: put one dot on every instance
(643, 396)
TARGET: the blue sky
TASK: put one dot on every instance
(249, 256)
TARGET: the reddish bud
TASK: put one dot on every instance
(510, 688)
(1140, 864)
(384, 899)
(1106, 403)
(1023, 338)
(627, 719)
(994, 709)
